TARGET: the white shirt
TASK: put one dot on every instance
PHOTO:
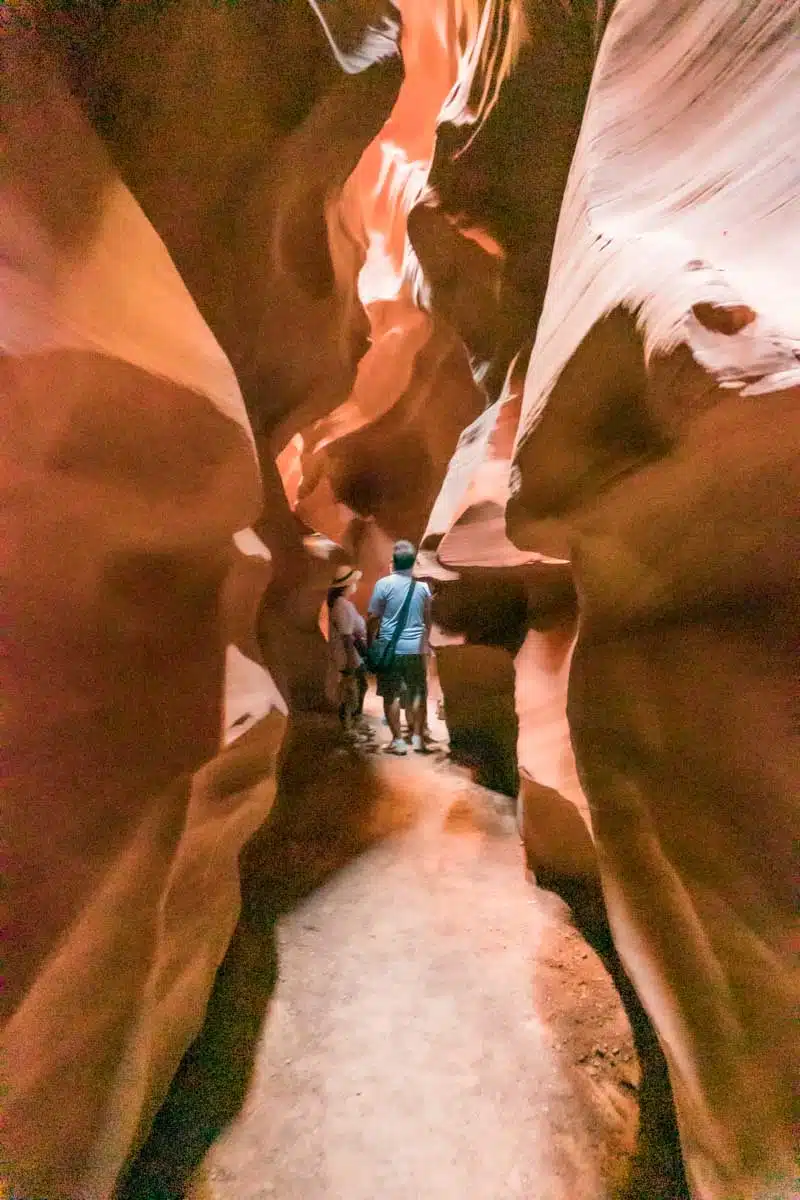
(345, 621)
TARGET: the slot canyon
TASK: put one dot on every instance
(282, 283)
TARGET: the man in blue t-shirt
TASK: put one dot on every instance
(410, 665)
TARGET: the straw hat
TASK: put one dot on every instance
(345, 575)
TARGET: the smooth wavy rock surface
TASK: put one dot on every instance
(659, 454)
(270, 278)
(128, 467)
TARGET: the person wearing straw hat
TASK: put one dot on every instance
(347, 634)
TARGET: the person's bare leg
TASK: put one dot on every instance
(363, 686)
(392, 710)
(405, 708)
(418, 715)
(419, 712)
(349, 701)
(419, 709)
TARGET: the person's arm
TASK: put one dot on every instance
(375, 612)
(359, 632)
(342, 615)
(353, 658)
(427, 617)
(373, 627)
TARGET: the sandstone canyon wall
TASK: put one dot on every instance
(128, 466)
(271, 299)
(658, 333)
(658, 450)
(131, 475)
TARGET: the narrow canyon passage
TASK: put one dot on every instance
(500, 296)
(438, 1030)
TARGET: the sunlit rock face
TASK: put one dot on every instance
(251, 692)
(655, 453)
(391, 469)
(503, 154)
(236, 127)
(660, 454)
(250, 248)
(521, 605)
(128, 467)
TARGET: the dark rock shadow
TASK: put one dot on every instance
(331, 805)
(561, 858)
(488, 758)
(656, 1170)
(210, 1085)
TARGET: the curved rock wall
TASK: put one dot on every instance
(259, 197)
(130, 466)
(660, 453)
(118, 550)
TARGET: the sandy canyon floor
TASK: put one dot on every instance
(439, 1029)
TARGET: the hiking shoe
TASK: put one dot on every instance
(418, 744)
(397, 746)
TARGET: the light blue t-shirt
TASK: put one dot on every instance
(387, 600)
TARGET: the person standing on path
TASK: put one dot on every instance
(408, 665)
(347, 639)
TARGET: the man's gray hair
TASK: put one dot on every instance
(404, 555)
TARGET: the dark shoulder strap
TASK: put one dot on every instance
(402, 617)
